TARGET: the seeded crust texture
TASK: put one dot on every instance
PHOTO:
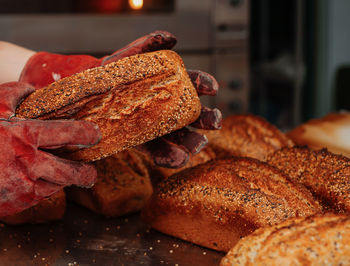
(246, 135)
(325, 174)
(314, 240)
(133, 100)
(216, 203)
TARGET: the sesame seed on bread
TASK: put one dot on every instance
(133, 100)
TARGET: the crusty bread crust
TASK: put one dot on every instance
(315, 240)
(50, 209)
(325, 174)
(123, 186)
(247, 135)
(216, 203)
(133, 100)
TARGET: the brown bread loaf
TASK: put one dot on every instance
(325, 174)
(216, 203)
(331, 132)
(50, 209)
(133, 100)
(247, 135)
(315, 240)
(123, 186)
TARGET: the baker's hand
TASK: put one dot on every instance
(28, 173)
(170, 151)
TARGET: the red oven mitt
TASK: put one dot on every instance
(28, 173)
(170, 151)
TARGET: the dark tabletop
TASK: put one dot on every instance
(84, 238)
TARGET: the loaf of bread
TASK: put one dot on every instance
(47, 210)
(315, 240)
(246, 135)
(325, 174)
(123, 186)
(331, 132)
(216, 203)
(133, 100)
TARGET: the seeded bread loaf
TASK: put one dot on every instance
(133, 100)
(216, 203)
(315, 240)
(246, 135)
(325, 174)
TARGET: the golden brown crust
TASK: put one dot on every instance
(123, 186)
(315, 240)
(247, 135)
(325, 174)
(50, 209)
(331, 132)
(133, 100)
(216, 203)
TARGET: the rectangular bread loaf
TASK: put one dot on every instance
(123, 186)
(133, 100)
(313, 240)
(216, 203)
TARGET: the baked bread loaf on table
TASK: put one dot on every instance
(246, 135)
(123, 186)
(331, 132)
(325, 174)
(216, 203)
(133, 100)
(47, 210)
(315, 240)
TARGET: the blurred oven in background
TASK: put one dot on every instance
(212, 34)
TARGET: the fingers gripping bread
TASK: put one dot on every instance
(159, 173)
(216, 203)
(133, 100)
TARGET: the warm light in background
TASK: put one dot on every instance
(136, 4)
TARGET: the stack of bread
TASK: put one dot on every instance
(259, 181)
(251, 189)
